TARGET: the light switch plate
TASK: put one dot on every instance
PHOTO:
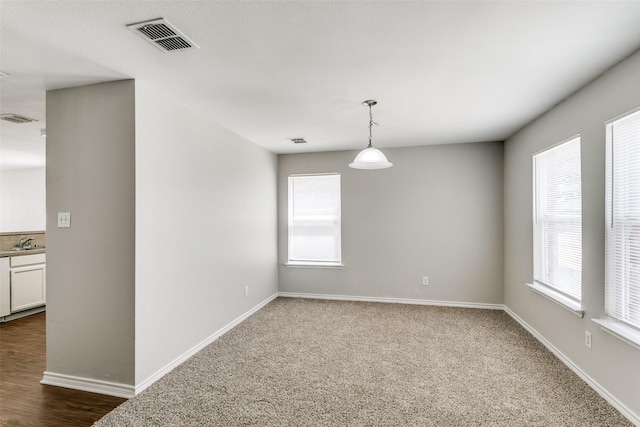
(64, 219)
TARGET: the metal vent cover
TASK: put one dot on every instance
(162, 35)
(16, 118)
(298, 140)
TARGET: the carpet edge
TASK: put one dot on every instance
(602, 392)
(486, 306)
(140, 387)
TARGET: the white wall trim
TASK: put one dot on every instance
(393, 300)
(182, 358)
(88, 384)
(613, 401)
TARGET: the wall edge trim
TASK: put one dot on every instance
(193, 350)
(603, 392)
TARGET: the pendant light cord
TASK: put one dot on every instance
(371, 123)
(370, 158)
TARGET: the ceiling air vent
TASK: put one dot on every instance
(298, 140)
(162, 35)
(16, 118)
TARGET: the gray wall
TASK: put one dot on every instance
(437, 213)
(205, 228)
(611, 363)
(91, 266)
(172, 216)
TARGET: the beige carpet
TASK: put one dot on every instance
(304, 362)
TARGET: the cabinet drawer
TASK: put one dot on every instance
(17, 261)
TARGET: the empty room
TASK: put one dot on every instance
(394, 213)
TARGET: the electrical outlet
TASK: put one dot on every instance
(246, 291)
(587, 339)
(425, 280)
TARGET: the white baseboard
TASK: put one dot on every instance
(129, 391)
(393, 300)
(88, 384)
(182, 358)
(628, 413)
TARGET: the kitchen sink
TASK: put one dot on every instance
(16, 249)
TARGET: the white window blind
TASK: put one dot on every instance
(314, 219)
(557, 224)
(622, 293)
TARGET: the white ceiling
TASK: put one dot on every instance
(441, 71)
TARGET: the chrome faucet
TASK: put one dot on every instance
(25, 242)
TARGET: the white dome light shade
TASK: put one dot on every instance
(370, 158)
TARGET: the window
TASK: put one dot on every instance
(557, 227)
(314, 220)
(622, 279)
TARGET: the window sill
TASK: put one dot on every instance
(620, 331)
(322, 265)
(558, 298)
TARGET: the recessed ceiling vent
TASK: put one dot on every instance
(16, 118)
(162, 35)
(298, 140)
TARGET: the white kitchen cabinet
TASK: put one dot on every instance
(23, 286)
(28, 281)
(28, 287)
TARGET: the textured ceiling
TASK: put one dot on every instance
(441, 71)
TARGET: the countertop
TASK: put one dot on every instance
(7, 253)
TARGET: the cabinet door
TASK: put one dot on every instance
(27, 287)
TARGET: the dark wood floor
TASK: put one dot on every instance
(26, 402)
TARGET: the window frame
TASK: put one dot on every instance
(623, 329)
(292, 261)
(543, 231)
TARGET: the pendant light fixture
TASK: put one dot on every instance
(370, 158)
